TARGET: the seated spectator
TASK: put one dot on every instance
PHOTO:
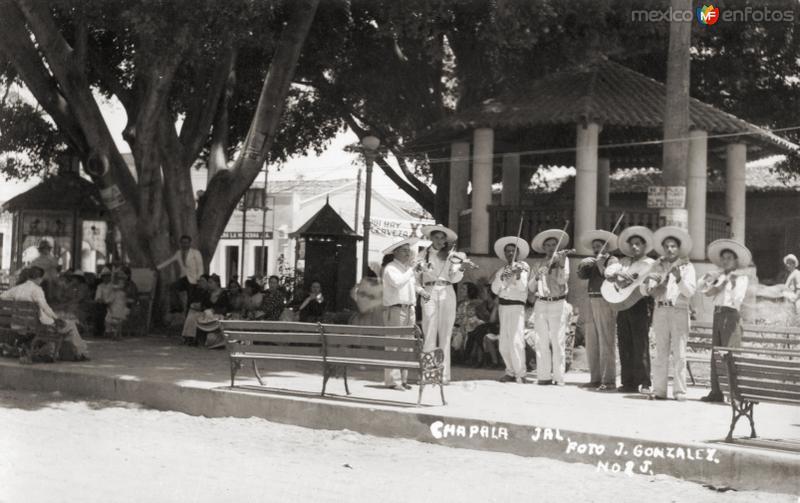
(74, 347)
(215, 307)
(368, 296)
(273, 300)
(118, 307)
(313, 306)
(478, 344)
(466, 318)
(252, 301)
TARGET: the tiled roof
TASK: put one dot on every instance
(306, 188)
(325, 222)
(626, 103)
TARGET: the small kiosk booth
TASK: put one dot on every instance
(326, 252)
(67, 211)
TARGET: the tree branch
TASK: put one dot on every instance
(195, 129)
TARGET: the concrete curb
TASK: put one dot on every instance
(719, 465)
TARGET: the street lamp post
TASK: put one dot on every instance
(370, 146)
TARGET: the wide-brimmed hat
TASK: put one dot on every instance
(77, 272)
(44, 243)
(105, 271)
(428, 229)
(522, 247)
(424, 243)
(408, 241)
(208, 321)
(599, 235)
(670, 231)
(791, 258)
(716, 248)
(637, 230)
(538, 241)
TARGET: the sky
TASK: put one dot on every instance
(333, 163)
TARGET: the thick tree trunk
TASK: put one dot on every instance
(226, 189)
(676, 111)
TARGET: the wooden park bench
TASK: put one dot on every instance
(753, 337)
(751, 376)
(333, 347)
(23, 335)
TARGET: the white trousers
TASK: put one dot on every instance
(397, 316)
(550, 323)
(512, 339)
(438, 317)
(671, 327)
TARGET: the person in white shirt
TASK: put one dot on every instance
(399, 300)
(672, 283)
(728, 288)
(31, 291)
(510, 284)
(190, 261)
(549, 277)
(436, 274)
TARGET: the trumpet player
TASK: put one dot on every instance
(549, 283)
(728, 288)
(436, 274)
(510, 284)
(672, 283)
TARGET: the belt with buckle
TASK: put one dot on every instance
(510, 302)
(438, 282)
(595, 294)
(666, 303)
(401, 305)
(552, 299)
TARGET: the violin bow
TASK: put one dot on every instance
(558, 245)
(519, 235)
(613, 231)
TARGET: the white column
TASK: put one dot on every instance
(736, 188)
(585, 183)
(483, 142)
(459, 180)
(511, 180)
(696, 192)
(603, 181)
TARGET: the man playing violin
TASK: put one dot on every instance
(633, 324)
(510, 284)
(672, 283)
(549, 283)
(600, 324)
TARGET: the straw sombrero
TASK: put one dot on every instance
(408, 241)
(428, 229)
(671, 231)
(522, 247)
(791, 258)
(716, 248)
(599, 235)
(538, 241)
(208, 321)
(637, 230)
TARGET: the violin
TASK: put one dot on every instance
(517, 268)
(460, 258)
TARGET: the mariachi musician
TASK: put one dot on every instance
(549, 282)
(510, 284)
(437, 271)
(672, 283)
(633, 324)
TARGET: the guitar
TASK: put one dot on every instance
(622, 298)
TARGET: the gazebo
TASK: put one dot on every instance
(595, 116)
(326, 246)
(67, 211)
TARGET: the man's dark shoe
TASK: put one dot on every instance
(589, 385)
(627, 389)
(712, 398)
(507, 378)
(544, 382)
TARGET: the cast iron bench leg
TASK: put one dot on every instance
(421, 387)
(750, 410)
(441, 390)
(689, 369)
(346, 388)
(235, 366)
(258, 375)
(325, 376)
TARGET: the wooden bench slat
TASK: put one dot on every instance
(278, 350)
(760, 374)
(784, 363)
(278, 337)
(370, 354)
(753, 384)
(299, 358)
(369, 330)
(374, 363)
(768, 395)
(268, 326)
(369, 340)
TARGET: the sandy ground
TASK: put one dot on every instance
(56, 448)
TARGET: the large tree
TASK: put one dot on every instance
(166, 62)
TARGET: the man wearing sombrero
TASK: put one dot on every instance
(510, 284)
(728, 288)
(633, 324)
(436, 274)
(549, 283)
(399, 300)
(672, 283)
(600, 326)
